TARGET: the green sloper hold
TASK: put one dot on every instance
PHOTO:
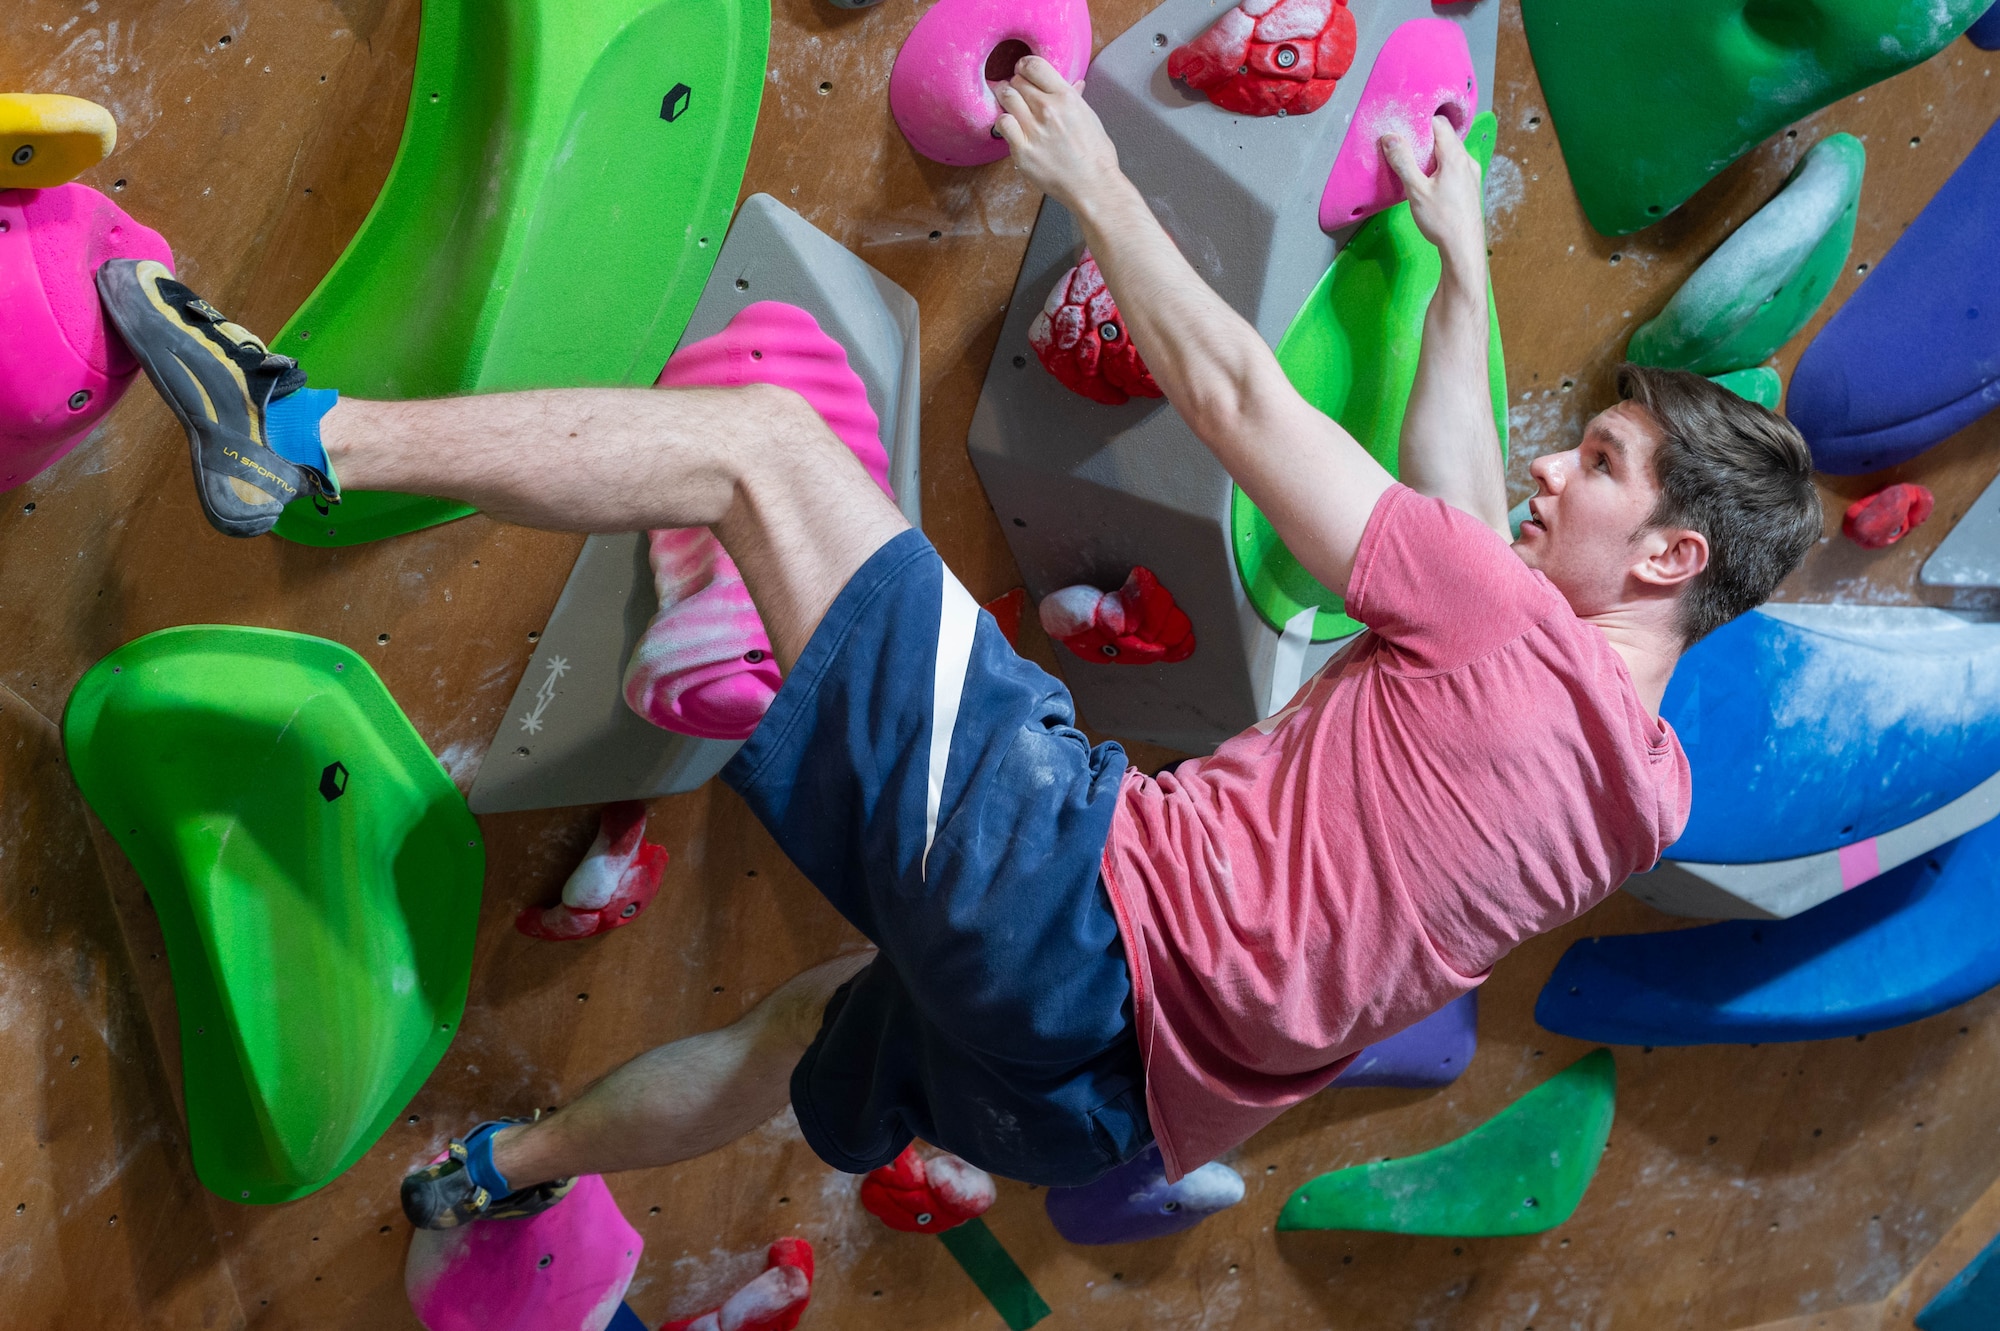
(1352, 352)
(1764, 282)
(544, 223)
(1650, 101)
(1759, 384)
(1522, 1171)
(317, 880)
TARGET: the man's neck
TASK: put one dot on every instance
(1649, 644)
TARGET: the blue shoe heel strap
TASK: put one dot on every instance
(479, 1157)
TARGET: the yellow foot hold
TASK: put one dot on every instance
(47, 139)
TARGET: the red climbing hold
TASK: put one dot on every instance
(1270, 57)
(1006, 609)
(771, 1302)
(920, 1196)
(1139, 624)
(1887, 516)
(619, 877)
(1079, 338)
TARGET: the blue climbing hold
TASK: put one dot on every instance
(1921, 938)
(1971, 1302)
(1985, 34)
(1914, 354)
(1431, 1053)
(1811, 727)
(1135, 1201)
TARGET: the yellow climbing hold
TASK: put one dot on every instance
(47, 139)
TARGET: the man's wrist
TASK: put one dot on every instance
(1104, 201)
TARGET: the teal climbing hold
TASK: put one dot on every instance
(567, 171)
(317, 880)
(1522, 1171)
(1761, 286)
(1352, 353)
(1971, 1302)
(1759, 384)
(1651, 101)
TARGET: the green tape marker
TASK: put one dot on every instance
(1004, 1284)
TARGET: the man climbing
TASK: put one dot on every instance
(1075, 958)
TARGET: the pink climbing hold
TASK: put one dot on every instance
(1425, 69)
(1139, 624)
(771, 1302)
(919, 1196)
(1887, 516)
(618, 878)
(1079, 338)
(704, 667)
(565, 1269)
(61, 366)
(941, 90)
(1270, 57)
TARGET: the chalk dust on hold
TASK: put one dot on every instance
(1506, 187)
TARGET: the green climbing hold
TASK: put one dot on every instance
(1759, 384)
(316, 876)
(1522, 1171)
(1764, 282)
(1651, 101)
(1352, 352)
(567, 171)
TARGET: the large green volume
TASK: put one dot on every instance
(567, 171)
(1650, 101)
(1352, 352)
(317, 880)
(1522, 1171)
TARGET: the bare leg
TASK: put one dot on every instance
(683, 1099)
(756, 464)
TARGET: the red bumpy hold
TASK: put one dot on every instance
(1139, 624)
(921, 1196)
(1079, 338)
(1270, 57)
(773, 1301)
(1887, 516)
(619, 877)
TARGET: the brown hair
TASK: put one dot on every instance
(1736, 473)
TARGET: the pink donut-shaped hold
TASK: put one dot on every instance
(942, 87)
(61, 365)
(1424, 69)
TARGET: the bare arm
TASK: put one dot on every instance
(1449, 448)
(1315, 484)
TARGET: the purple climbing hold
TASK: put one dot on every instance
(1135, 1201)
(1914, 354)
(565, 1269)
(1985, 30)
(1431, 1053)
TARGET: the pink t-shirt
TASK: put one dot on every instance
(1474, 770)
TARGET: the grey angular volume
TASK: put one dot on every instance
(1084, 491)
(567, 736)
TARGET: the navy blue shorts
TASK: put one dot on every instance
(935, 787)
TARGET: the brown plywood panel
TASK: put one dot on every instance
(102, 1220)
(259, 156)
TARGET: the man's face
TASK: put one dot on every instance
(1589, 512)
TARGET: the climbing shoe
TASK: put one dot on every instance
(450, 1192)
(220, 380)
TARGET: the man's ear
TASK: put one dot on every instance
(1672, 557)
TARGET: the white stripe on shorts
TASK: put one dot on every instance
(958, 619)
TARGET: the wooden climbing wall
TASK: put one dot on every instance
(1825, 1185)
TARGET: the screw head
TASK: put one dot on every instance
(79, 399)
(24, 154)
(1286, 57)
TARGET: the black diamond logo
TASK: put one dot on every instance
(676, 102)
(333, 782)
